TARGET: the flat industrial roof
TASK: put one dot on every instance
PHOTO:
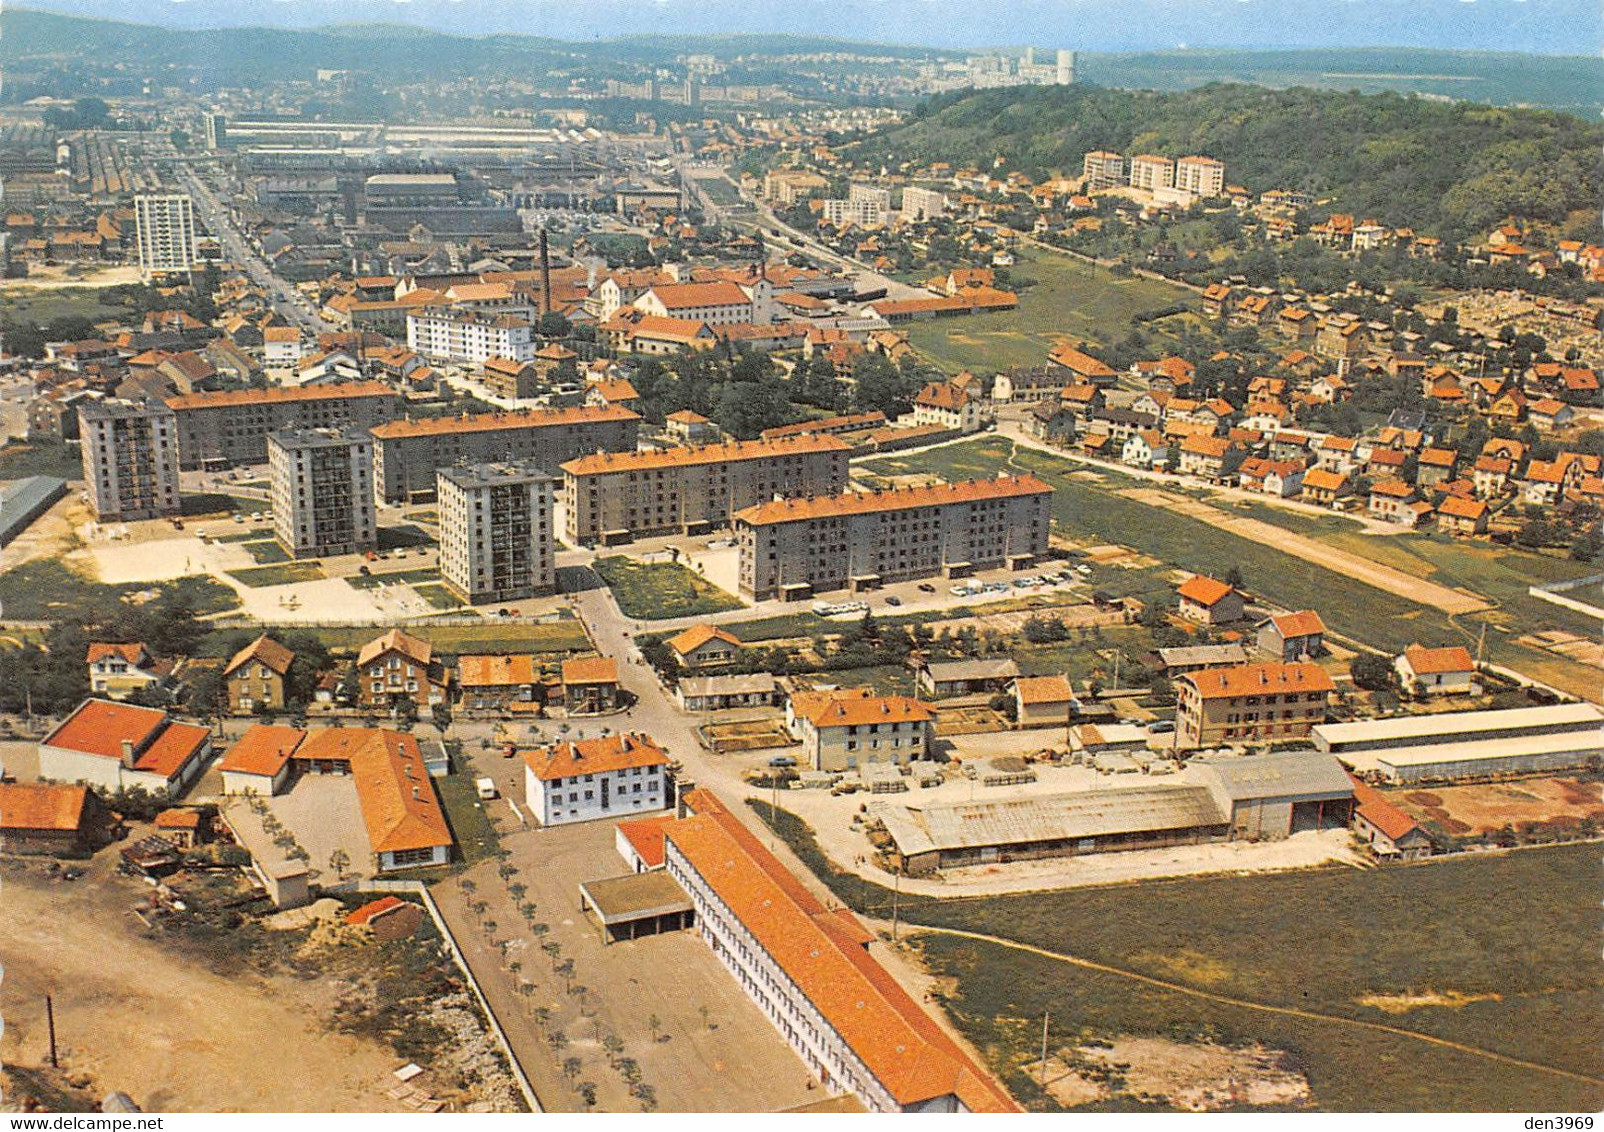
(1332, 736)
(635, 896)
(1052, 817)
(1583, 744)
(1311, 775)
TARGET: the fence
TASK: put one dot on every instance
(1554, 594)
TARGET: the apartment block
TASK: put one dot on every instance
(923, 204)
(793, 548)
(1253, 703)
(1200, 176)
(406, 454)
(321, 484)
(130, 459)
(469, 336)
(1152, 173)
(218, 430)
(164, 229)
(495, 531)
(613, 497)
(1102, 170)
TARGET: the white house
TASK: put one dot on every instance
(612, 776)
(259, 763)
(1437, 672)
(1146, 449)
(119, 746)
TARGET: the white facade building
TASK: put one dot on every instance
(614, 776)
(164, 228)
(463, 336)
(1200, 176)
(923, 204)
(321, 484)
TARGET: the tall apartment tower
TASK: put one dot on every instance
(1065, 74)
(496, 540)
(216, 129)
(165, 230)
(130, 457)
(321, 483)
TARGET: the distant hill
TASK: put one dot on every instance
(1449, 168)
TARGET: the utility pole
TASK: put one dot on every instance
(896, 902)
(1045, 1015)
(50, 1024)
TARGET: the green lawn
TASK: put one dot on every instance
(47, 590)
(1517, 926)
(373, 581)
(438, 596)
(1070, 298)
(1086, 505)
(657, 591)
(44, 304)
(19, 460)
(267, 552)
(465, 813)
(280, 575)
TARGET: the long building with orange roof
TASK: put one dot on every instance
(228, 427)
(613, 497)
(809, 969)
(794, 548)
(407, 453)
(121, 746)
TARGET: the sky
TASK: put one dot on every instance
(1569, 27)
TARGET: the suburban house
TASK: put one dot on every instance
(400, 666)
(255, 677)
(943, 404)
(1462, 516)
(842, 730)
(1292, 636)
(1323, 487)
(1446, 671)
(1209, 601)
(612, 776)
(717, 693)
(1043, 701)
(1146, 449)
(704, 646)
(116, 671)
(1252, 703)
(1392, 501)
(119, 746)
(1207, 456)
(1389, 833)
(496, 682)
(590, 684)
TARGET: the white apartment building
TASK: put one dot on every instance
(613, 776)
(841, 731)
(1200, 176)
(1102, 170)
(130, 458)
(923, 204)
(495, 531)
(719, 303)
(464, 336)
(164, 229)
(321, 486)
(1152, 173)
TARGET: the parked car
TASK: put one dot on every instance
(926, 588)
(893, 599)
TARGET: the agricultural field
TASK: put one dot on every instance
(661, 590)
(19, 460)
(1088, 504)
(1071, 298)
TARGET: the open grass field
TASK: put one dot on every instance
(282, 574)
(374, 581)
(1509, 938)
(465, 813)
(44, 304)
(1070, 298)
(656, 591)
(18, 461)
(267, 552)
(1087, 504)
(47, 590)
(438, 596)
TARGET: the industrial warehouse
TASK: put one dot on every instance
(1468, 744)
(1256, 797)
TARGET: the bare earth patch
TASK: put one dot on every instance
(1194, 1077)
(1404, 1003)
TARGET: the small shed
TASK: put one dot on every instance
(638, 904)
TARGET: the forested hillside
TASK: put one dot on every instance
(1452, 169)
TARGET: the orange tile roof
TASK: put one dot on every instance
(645, 836)
(893, 499)
(1321, 480)
(100, 650)
(1259, 679)
(414, 648)
(857, 707)
(178, 819)
(616, 390)
(490, 671)
(98, 727)
(685, 296)
(32, 805)
(1424, 661)
(1304, 623)
(262, 750)
(264, 650)
(1043, 689)
(590, 670)
(822, 953)
(696, 636)
(373, 908)
(235, 398)
(942, 395)
(594, 756)
(1375, 809)
(173, 748)
(1204, 590)
(1458, 508)
(393, 790)
(1079, 361)
(491, 422)
(663, 328)
(606, 463)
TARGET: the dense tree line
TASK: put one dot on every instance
(1451, 169)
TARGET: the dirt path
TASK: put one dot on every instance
(1266, 1008)
(140, 1017)
(1353, 566)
